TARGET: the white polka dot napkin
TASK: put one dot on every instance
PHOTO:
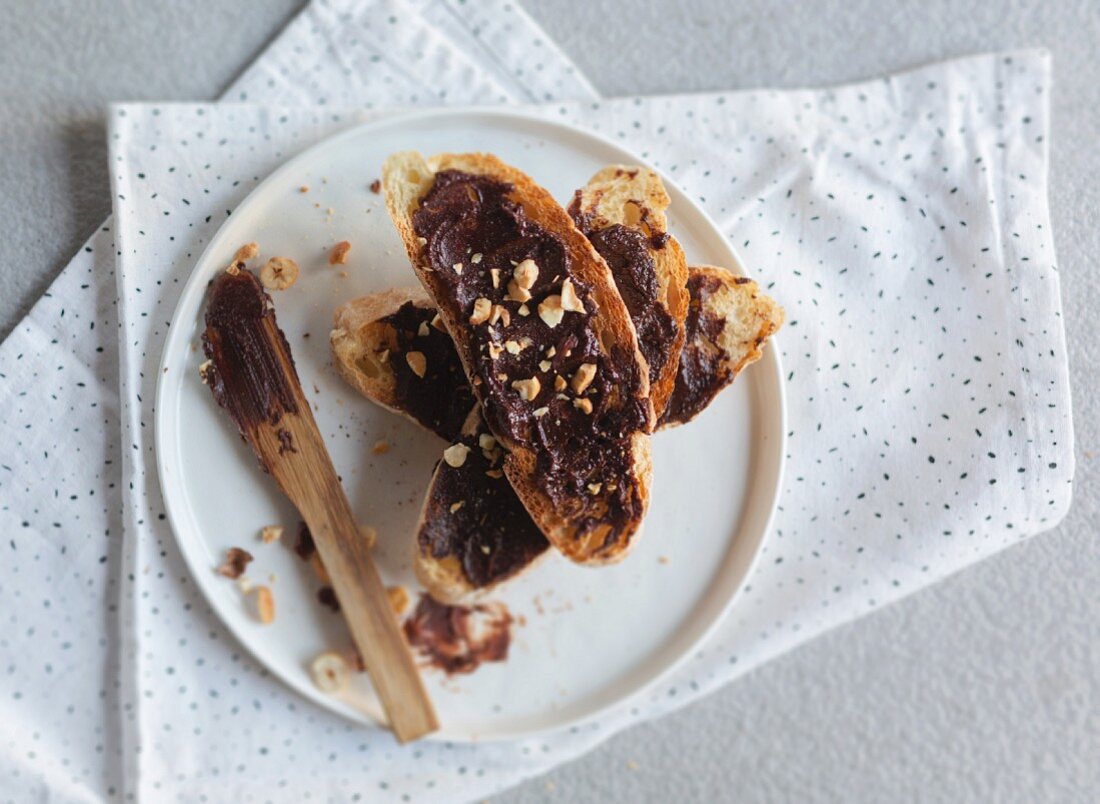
(902, 223)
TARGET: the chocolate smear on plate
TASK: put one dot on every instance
(458, 639)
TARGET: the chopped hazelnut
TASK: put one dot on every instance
(550, 310)
(500, 313)
(482, 308)
(417, 362)
(486, 441)
(494, 473)
(570, 301)
(204, 371)
(455, 455)
(544, 365)
(513, 347)
(330, 672)
(422, 241)
(456, 506)
(339, 253)
(399, 599)
(437, 322)
(494, 273)
(523, 310)
(528, 389)
(265, 604)
(475, 258)
(458, 268)
(495, 350)
(583, 405)
(271, 533)
(525, 275)
(423, 331)
(583, 377)
(551, 351)
(279, 273)
(516, 293)
(246, 252)
(236, 561)
(540, 412)
(594, 488)
(560, 383)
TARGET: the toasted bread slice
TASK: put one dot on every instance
(565, 390)
(474, 532)
(622, 212)
(371, 340)
(729, 320)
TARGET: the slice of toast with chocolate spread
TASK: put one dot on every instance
(545, 339)
(622, 212)
(474, 532)
(729, 318)
(392, 347)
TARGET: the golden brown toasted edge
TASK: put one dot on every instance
(749, 317)
(407, 177)
(444, 579)
(359, 338)
(635, 197)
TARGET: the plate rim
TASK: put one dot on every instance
(772, 485)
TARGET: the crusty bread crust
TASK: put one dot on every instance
(635, 197)
(359, 339)
(407, 177)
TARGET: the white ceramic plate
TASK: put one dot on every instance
(589, 638)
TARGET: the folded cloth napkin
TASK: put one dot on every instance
(902, 223)
(60, 477)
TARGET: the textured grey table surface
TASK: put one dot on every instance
(987, 686)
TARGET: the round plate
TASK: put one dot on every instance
(585, 639)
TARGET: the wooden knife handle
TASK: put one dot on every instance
(309, 480)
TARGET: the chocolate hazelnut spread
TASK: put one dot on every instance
(242, 339)
(626, 252)
(442, 413)
(457, 639)
(303, 544)
(475, 237)
(473, 514)
(703, 370)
